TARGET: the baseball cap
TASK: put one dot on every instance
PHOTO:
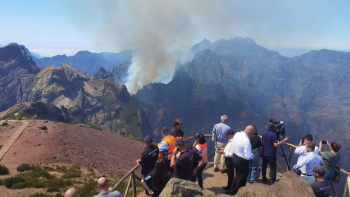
(180, 142)
(148, 139)
(319, 169)
(165, 130)
(270, 126)
(199, 135)
(185, 140)
(229, 132)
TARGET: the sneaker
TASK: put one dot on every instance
(228, 193)
(226, 188)
(216, 169)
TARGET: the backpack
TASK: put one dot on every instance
(336, 177)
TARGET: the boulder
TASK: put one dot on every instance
(182, 188)
(289, 185)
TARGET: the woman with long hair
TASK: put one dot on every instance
(330, 160)
(202, 149)
(254, 163)
(156, 180)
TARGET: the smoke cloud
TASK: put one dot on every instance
(155, 27)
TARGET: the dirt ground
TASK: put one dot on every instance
(7, 131)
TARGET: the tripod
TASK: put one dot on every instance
(283, 154)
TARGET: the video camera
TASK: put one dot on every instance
(279, 128)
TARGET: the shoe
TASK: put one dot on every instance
(223, 171)
(216, 169)
(228, 193)
(227, 188)
(264, 182)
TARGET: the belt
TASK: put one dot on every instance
(306, 174)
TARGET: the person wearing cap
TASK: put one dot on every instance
(228, 159)
(149, 156)
(309, 161)
(197, 164)
(321, 188)
(166, 147)
(270, 144)
(201, 147)
(220, 142)
(177, 132)
(182, 161)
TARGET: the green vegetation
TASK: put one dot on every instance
(4, 124)
(24, 167)
(89, 189)
(37, 177)
(21, 116)
(4, 170)
(45, 195)
(72, 172)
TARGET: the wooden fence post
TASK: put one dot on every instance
(290, 158)
(346, 189)
(280, 167)
(133, 185)
(127, 187)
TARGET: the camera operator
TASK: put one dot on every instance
(301, 151)
(270, 144)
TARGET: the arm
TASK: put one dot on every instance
(138, 163)
(185, 136)
(146, 187)
(303, 162)
(248, 152)
(320, 148)
(197, 168)
(299, 150)
(280, 143)
(173, 160)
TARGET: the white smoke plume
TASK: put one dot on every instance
(156, 27)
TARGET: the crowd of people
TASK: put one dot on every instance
(237, 154)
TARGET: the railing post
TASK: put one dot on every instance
(346, 189)
(127, 187)
(290, 158)
(280, 167)
(133, 185)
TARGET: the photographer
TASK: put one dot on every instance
(331, 160)
(270, 144)
(301, 151)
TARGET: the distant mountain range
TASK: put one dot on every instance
(88, 100)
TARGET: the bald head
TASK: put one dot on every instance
(249, 130)
(71, 192)
(102, 183)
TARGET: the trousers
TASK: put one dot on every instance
(254, 167)
(219, 156)
(329, 176)
(199, 176)
(242, 169)
(308, 179)
(272, 163)
(230, 171)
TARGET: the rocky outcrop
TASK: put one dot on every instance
(102, 73)
(289, 185)
(182, 188)
(120, 72)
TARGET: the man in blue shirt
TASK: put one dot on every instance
(270, 144)
(309, 161)
(221, 142)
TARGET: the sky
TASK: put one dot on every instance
(52, 27)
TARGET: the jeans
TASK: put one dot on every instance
(253, 167)
(199, 176)
(272, 162)
(328, 177)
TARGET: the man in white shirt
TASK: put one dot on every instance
(301, 151)
(309, 161)
(242, 153)
(228, 159)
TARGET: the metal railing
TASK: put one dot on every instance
(133, 176)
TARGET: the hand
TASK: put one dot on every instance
(293, 169)
(254, 152)
(300, 143)
(175, 150)
(286, 139)
(137, 161)
(150, 192)
(328, 143)
(194, 172)
(320, 144)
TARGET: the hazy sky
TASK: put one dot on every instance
(50, 27)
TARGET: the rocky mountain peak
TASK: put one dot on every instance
(102, 73)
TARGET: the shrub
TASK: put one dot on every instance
(88, 190)
(4, 124)
(0, 182)
(8, 182)
(48, 168)
(24, 167)
(4, 170)
(71, 175)
(53, 189)
(62, 169)
(19, 185)
(43, 195)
